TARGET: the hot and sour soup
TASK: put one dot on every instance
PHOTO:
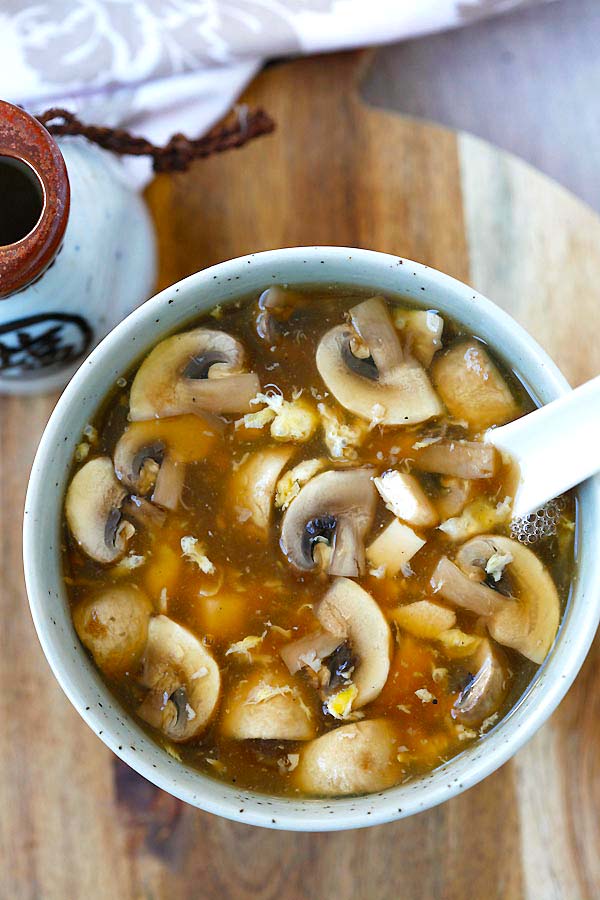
(288, 547)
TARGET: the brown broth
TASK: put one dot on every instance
(260, 589)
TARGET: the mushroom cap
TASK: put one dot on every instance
(338, 506)
(183, 679)
(93, 511)
(113, 625)
(348, 610)
(168, 444)
(484, 695)
(267, 705)
(185, 439)
(354, 759)
(386, 386)
(254, 483)
(472, 387)
(198, 370)
(528, 619)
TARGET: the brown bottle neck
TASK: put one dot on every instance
(34, 199)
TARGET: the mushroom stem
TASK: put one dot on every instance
(463, 459)
(455, 586)
(169, 484)
(372, 321)
(348, 550)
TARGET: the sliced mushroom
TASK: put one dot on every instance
(113, 625)
(267, 705)
(486, 691)
(152, 455)
(422, 331)
(454, 585)
(404, 496)
(472, 387)
(310, 650)
(425, 618)
(464, 459)
(394, 547)
(182, 678)
(336, 507)
(348, 610)
(144, 512)
(276, 305)
(454, 495)
(253, 486)
(93, 511)
(198, 370)
(354, 759)
(367, 372)
(527, 614)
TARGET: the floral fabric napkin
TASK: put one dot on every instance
(160, 66)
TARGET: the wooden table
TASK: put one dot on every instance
(75, 822)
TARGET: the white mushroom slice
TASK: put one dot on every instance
(113, 625)
(457, 643)
(464, 459)
(198, 370)
(527, 619)
(310, 650)
(454, 585)
(404, 496)
(422, 331)
(454, 495)
(354, 759)
(337, 508)
(348, 610)
(485, 693)
(93, 511)
(276, 305)
(267, 706)
(180, 701)
(394, 547)
(472, 387)
(289, 485)
(152, 455)
(385, 386)
(253, 485)
(425, 618)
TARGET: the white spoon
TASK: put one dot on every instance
(555, 447)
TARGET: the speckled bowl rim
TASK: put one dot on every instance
(173, 308)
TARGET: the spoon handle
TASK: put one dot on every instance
(556, 446)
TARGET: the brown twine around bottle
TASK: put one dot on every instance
(242, 126)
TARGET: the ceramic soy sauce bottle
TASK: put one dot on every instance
(77, 252)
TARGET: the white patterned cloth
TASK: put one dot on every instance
(160, 66)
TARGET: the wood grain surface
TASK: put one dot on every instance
(76, 822)
(527, 81)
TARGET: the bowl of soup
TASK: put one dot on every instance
(270, 556)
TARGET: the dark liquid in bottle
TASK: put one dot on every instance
(21, 200)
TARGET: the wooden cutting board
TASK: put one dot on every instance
(76, 822)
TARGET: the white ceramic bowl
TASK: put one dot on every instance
(173, 309)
